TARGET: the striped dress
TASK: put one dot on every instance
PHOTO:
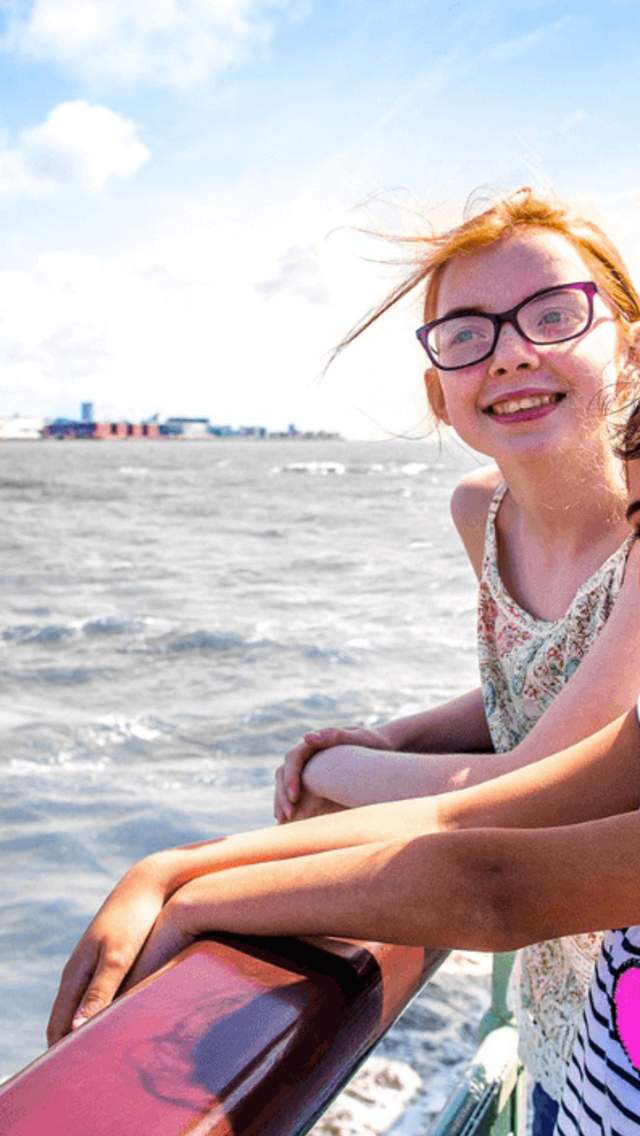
(602, 1090)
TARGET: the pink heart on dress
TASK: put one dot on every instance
(626, 1011)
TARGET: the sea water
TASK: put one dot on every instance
(174, 616)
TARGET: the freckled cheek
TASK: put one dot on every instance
(462, 393)
(592, 362)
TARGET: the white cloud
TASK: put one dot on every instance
(179, 326)
(298, 274)
(173, 43)
(77, 145)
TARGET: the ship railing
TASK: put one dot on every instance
(250, 1037)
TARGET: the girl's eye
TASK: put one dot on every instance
(554, 317)
(459, 334)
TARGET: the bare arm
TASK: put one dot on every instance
(596, 778)
(485, 890)
(354, 776)
(494, 889)
(456, 726)
(608, 679)
(605, 684)
(593, 779)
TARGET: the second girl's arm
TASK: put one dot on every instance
(594, 779)
(597, 777)
(492, 889)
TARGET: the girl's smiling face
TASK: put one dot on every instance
(560, 383)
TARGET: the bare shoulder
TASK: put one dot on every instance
(469, 507)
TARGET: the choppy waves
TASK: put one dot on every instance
(171, 626)
(378, 469)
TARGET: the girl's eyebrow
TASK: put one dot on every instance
(464, 310)
(632, 508)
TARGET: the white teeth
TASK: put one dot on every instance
(512, 405)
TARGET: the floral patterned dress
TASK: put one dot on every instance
(524, 664)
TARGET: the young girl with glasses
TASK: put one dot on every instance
(529, 321)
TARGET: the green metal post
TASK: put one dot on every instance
(490, 1101)
(498, 1013)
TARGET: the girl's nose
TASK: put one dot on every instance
(513, 352)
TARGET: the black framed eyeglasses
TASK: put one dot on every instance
(552, 315)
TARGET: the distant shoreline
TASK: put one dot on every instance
(284, 437)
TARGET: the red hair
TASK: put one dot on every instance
(524, 209)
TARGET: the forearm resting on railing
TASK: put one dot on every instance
(597, 776)
(353, 776)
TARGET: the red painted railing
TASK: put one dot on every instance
(232, 1038)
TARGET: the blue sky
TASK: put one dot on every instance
(181, 180)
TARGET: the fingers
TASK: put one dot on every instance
(324, 739)
(288, 776)
(310, 806)
(73, 983)
(109, 975)
(84, 992)
(280, 802)
(294, 763)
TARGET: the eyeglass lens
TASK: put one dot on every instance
(550, 318)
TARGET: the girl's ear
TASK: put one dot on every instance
(435, 396)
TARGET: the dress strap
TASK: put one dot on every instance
(490, 552)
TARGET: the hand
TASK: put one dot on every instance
(108, 949)
(289, 775)
(309, 805)
(181, 920)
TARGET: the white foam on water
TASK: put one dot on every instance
(376, 1098)
(116, 729)
(402, 1088)
(318, 468)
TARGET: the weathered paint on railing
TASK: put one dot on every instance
(233, 1038)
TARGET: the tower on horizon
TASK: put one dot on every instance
(86, 411)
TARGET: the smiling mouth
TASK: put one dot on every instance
(523, 402)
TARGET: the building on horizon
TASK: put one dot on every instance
(62, 428)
